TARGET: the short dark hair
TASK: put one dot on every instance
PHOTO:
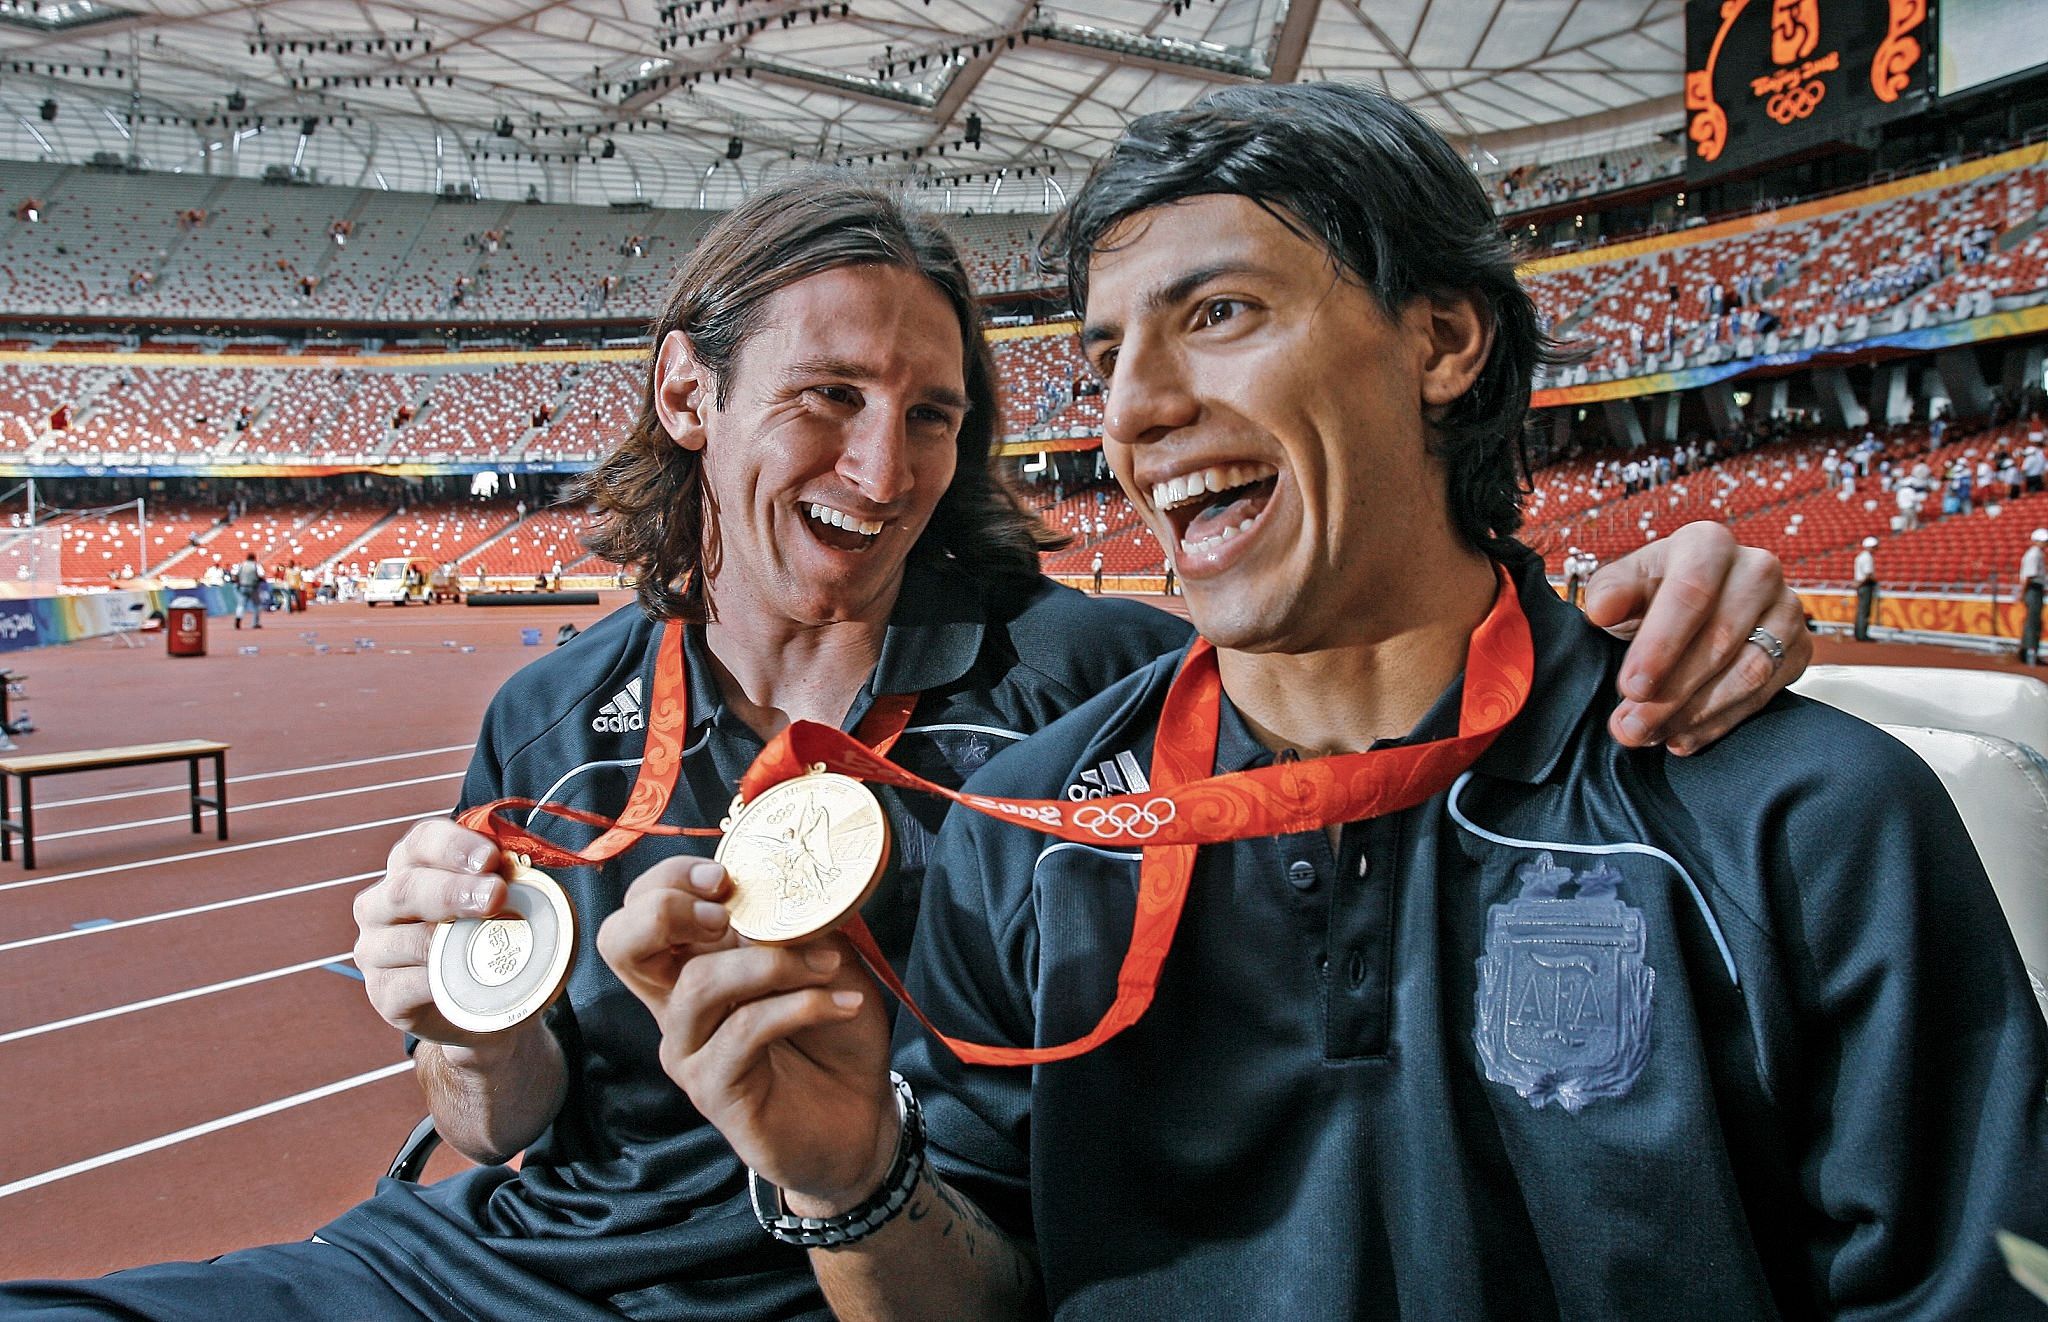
(648, 493)
(1388, 199)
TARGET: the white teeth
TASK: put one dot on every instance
(1222, 477)
(840, 519)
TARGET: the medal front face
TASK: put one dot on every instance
(803, 856)
(491, 974)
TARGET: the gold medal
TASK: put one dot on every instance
(491, 974)
(803, 856)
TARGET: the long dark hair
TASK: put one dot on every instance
(649, 492)
(1387, 198)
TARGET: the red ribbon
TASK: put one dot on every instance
(668, 719)
(1189, 806)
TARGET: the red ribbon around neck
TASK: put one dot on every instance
(668, 719)
(1188, 806)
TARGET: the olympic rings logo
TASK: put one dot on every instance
(1796, 102)
(1134, 820)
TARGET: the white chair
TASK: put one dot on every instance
(129, 625)
(1989, 702)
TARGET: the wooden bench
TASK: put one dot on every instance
(26, 767)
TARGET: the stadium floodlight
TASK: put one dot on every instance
(48, 110)
(237, 103)
(503, 128)
(611, 149)
(733, 148)
(973, 130)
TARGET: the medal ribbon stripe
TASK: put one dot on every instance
(668, 718)
(1205, 808)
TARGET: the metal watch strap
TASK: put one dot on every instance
(874, 1211)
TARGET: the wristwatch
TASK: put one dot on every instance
(873, 1212)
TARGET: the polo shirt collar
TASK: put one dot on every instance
(934, 636)
(1571, 662)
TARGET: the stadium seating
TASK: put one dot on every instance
(601, 404)
(1048, 388)
(1545, 184)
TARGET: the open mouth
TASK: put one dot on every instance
(842, 531)
(1211, 505)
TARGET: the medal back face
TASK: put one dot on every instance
(803, 856)
(491, 974)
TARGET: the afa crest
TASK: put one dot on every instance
(1564, 995)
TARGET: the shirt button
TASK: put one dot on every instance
(1301, 873)
(1357, 967)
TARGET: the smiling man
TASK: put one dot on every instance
(1472, 1010)
(810, 496)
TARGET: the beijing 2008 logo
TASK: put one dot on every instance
(1139, 821)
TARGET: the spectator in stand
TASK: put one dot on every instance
(1866, 588)
(1831, 469)
(2033, 584)
(294, 587)
(2033, 467)
(29, 211)
(1909, 498)
(1095, 568)
(1960, 486)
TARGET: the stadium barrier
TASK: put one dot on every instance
(45, 621)
(1921, 612)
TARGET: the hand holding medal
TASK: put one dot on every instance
(803, 857)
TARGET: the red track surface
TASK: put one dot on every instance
(74, 1093)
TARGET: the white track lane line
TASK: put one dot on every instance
(171, 998)
(201, 1130)
(72, 934)
(139, 822)
(350, 829)
(258, 775)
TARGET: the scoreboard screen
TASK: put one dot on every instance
(1766, 78)
(1983, 41)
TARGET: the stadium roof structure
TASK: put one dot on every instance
(688, 101)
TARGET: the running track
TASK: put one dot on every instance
(187, 1064)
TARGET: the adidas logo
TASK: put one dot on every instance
(1120, 775)
(622, 713)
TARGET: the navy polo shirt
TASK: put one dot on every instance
(630, 1202)
(1596, 1033)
